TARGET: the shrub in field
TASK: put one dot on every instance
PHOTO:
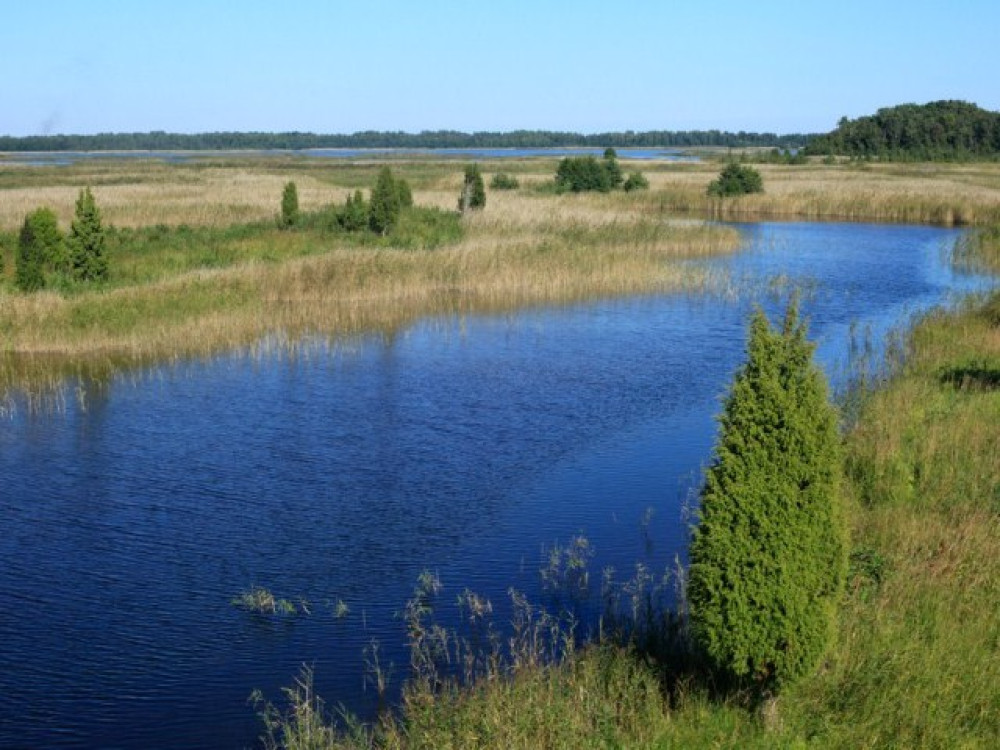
(40, 247)
(87, 257)
(504, 181)
(768, 554)
(289, 205)
(736, 179)
(473, 191)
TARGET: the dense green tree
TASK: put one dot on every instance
(353, 217)
(473, 195)
(768, 553)
(635, 181)
(580, 174)
(504, 181)
(405, 194)
(87, 255)
(613, 169)
(943, 130)
(289, 205)
(40, 248)
(384, 208)
(736, 179)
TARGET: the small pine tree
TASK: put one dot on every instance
(635, 181)
(736, 179)
(768, 554)
(354, 215)
(473, 190)
(612, 168)
(87, 257)
(40, 248)
(384, 209)
(405, 194)
(290, 205)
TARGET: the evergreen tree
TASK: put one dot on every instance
(87, 256)
(289, 205)
(736, 179)
(768, 554)
(473, 190)
(613, 170)
(384, 209)
(405, 194)
(40, 248)
(354, 215)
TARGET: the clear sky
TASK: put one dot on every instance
(333, 66)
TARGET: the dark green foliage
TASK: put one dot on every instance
(289, 205)
(736, 179)
(579, 174)
(405, 194)
(87, 257)
(353, 217)
(635, 181)
(473, 195)
(943, 130)
(611, 166)
(40, 249)
(384, 209)
(768, 557)
(504, 181)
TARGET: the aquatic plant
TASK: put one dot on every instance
(260, 600)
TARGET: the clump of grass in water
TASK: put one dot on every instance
(262, 601)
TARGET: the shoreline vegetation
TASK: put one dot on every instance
(914, 660)
(198, 263)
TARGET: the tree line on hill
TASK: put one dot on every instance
(161, 141)
(938, 131)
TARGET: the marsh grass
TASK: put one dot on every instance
(191, 291)
(261, 601)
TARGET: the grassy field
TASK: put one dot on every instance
(916, 660)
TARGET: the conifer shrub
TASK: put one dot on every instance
(87, 255)
(289, 205)
(635, 181)
(383, 212)
(353, 215)
(768, 555)
(736, 179)
(40, 248)
(405, 194)
(504, 181)
(473, 190)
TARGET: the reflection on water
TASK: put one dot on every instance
(466, 446)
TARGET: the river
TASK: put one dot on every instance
(466, 446)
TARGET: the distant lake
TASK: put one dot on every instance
(65, 158)
(463, 445)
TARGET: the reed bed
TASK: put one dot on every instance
(343, 291)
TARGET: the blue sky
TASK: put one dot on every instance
(337, 67)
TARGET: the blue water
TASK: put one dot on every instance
(65, 158)
(466, 446)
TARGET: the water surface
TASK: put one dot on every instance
(466, 446)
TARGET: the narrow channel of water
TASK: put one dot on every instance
(465, 446)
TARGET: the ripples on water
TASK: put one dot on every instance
(466, 446)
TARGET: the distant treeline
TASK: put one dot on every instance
(938, 131)
(159, 141)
